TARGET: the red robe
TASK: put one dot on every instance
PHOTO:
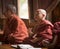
(56, 27)
(15, 30)
(44, 30)
(56, 30)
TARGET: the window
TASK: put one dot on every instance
(23, 9)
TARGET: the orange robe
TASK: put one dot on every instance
(15, 30)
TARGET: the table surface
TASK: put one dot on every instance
(6, 46)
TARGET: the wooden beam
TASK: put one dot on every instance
(52, 6)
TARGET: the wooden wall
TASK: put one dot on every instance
(3, 4)
(35, 4)
(48, 5)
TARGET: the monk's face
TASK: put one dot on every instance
(7, 13)
(39, 15)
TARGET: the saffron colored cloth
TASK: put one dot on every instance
(15, 30)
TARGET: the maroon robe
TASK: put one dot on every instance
(44, 31)
(56, 27)
(56, 30)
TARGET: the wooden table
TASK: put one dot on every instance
(6, 46)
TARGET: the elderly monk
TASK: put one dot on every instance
(15, 30)
(43, 29)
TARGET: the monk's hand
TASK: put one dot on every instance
(45, 42)
(11, 38)
(34, 40)
(30, 32)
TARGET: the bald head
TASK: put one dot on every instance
(42, 11)
(40, 14)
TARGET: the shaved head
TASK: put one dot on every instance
(40, 14)
(42, 11)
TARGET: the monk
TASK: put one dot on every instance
(15, 30)
(42, 30)
(56, 31)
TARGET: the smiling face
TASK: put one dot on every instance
(40, 15)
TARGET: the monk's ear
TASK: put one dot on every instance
(43, 15)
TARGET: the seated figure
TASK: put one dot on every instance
(15, 30)
(56, 31)
(42, 31)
